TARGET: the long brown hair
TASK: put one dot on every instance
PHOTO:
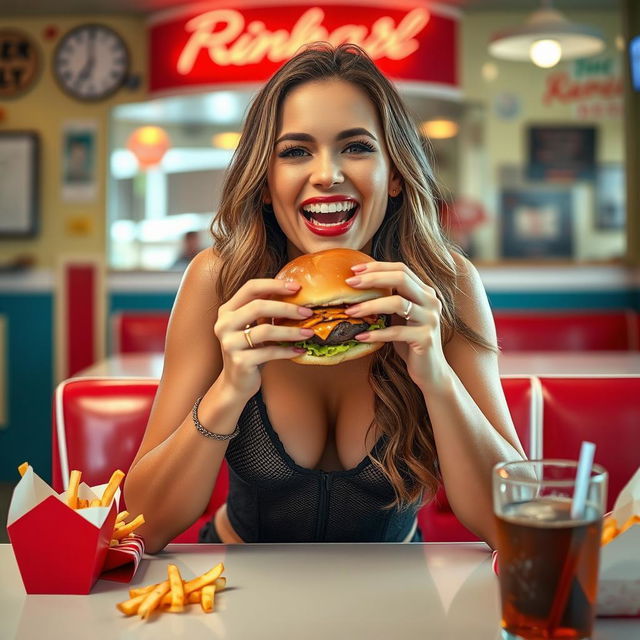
(251, 244)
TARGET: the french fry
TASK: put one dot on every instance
(609, 530)
(174, 593)
(152, 600)
(130, 607)
(114, 542)
(206, 578)
(123, 515)
(208, 595)
(22, 469)
(138, 591)
(119, 525)
(72, 492)
(193, 598)
(177, 588)
(111, 488)
(121, 532)
(95, 502)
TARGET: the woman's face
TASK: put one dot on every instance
(330, 174)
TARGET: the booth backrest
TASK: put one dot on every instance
(565, 331)
(98, 424)
(603, 410)
(139, 331)
(436, 520)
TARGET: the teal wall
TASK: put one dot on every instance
(29, 375)
(27, 436)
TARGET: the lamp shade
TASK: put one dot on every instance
(148, 144)
(575, 40)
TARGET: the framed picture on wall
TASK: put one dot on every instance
(561, 153)
(19, 183)
(536, 223)
(610, 197)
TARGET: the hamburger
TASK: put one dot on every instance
(323, 288)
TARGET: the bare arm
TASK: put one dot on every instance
(471, 421)
(172, 476)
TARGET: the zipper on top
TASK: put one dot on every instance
(323, 509)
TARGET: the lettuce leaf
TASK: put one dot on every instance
(323, 350)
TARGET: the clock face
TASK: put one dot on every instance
(91, 62)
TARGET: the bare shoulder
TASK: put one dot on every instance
(471, 300)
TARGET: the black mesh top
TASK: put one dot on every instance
(272, 499)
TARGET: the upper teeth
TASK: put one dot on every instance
(330, 207)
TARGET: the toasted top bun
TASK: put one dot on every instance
(322, 278)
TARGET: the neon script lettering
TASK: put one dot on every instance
(222, 32)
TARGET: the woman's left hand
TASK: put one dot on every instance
(416, 334)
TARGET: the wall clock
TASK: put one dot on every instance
(91, 62)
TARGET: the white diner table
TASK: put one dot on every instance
(540, 363)
(372, 591)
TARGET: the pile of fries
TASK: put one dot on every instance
(174, 593)
(610, 528)
(121, 528)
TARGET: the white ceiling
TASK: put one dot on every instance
(89, 7)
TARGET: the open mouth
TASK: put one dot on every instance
(329, 215)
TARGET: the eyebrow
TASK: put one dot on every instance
(347, 133)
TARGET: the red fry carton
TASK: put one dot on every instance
(619, 580)
(58, 549)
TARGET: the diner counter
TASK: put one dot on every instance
(538, 363)
(370, 591)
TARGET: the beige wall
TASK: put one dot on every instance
(44, 109)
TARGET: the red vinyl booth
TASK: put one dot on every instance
(565, 331)
(97, 428)
(436, 520)
(603, 410)
(139, 331)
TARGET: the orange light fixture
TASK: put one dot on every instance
(439, 129)
(226, 140)
(148, 144)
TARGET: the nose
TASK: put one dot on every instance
(326, 171)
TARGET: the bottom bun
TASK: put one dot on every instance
(354, 353)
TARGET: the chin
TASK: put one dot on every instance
(323, 289)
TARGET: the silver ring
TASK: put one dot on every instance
(247, 336)
(406, 315)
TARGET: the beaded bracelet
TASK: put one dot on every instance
(206, 432)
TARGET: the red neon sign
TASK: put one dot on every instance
(229, 46)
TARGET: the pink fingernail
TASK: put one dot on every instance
(362, 336)
(291, 285)
(353, 280)
(358, 267)
(304, 312)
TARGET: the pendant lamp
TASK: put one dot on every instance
(546, 38)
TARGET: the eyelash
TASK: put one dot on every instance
(285, 153)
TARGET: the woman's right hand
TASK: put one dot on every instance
(249, 304)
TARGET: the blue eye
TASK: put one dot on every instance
(288, 152)
(360, 145)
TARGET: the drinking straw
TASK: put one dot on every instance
(583, 473)
(585, 462)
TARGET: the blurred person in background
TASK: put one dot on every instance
(190, 249)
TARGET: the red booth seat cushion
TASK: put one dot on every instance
(140, 332)
(605, 411)
(565, 331)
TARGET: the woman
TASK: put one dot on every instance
(342, 453)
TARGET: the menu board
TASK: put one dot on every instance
(562, 153)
